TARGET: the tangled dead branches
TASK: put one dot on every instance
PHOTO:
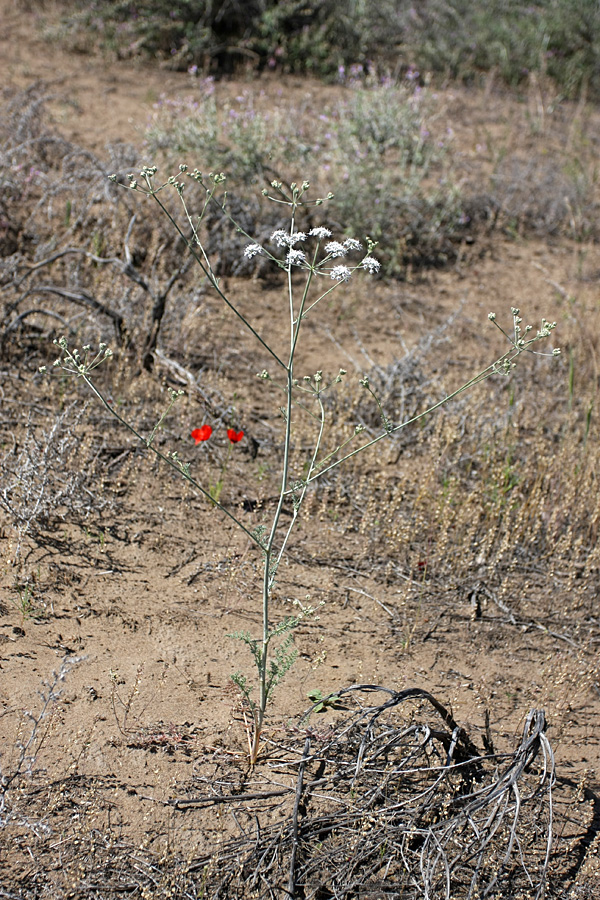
(393, 799)
(396, 800)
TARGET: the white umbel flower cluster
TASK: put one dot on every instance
(333, 250)
(284, 239)
(296, 257)
(340, 273)
(371, 265)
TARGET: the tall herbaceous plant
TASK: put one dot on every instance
(315, 263)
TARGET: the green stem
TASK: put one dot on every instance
(311, 469)
(172, 402)
(271, 564)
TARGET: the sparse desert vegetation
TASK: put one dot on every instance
(436, 734)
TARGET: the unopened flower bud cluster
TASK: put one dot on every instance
(73, 362)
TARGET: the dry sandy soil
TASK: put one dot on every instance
(137, 603)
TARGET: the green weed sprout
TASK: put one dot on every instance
(325, 265)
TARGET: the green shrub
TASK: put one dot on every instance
(461, 38)
(316, 36)
(391, 176)
(329, 38)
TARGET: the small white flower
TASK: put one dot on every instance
(334, 248)
(340, 273)
(296, 257)
(283, 239)
(251, 250)
(320, 232)
(295, 237)
(370, 264)
(280, 237)
(352, 244)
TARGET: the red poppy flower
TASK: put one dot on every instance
(234, 436)
(201, 434)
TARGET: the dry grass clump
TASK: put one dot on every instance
(492, 504)
(500, 494)
(47, 474)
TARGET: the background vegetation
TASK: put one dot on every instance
(334, 39)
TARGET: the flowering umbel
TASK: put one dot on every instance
(201, 434)
(334, 250)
